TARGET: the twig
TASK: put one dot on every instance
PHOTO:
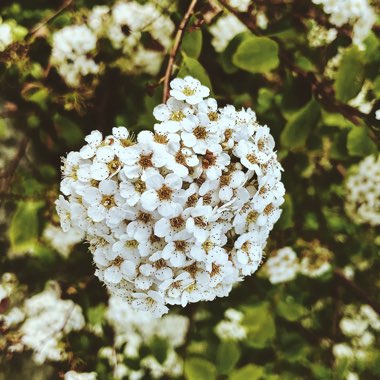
(359, 292)
(321, 90)
(7, 175)
(176, 45)
(36, 28)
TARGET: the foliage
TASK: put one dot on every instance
(321, 101)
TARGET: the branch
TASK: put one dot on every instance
(359, 292)
(36, 28)
(177, 43)
(320, 89)
(7, 175)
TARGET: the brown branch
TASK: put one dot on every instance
(321, 90)
(177, 43)
(36, 28)
(359, 292)
(7, 175)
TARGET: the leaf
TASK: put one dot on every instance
(227, 356)
(286, 219)
(260, 326)
(199, 369)
(38, 96)
(359, 143)
(69, 131)
(298, 127)
(350, 75)
(256, 55)
(192, 43)
(250, 371)
(290, 310)
(24, 227)
(227, 54)
(159, 347)
(191, 66)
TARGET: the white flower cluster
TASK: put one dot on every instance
(357, 13)
(360, 325)
(284, 265)
(124, 25)
(319, 35)
(133, 329)
(73, 47)
(231, 327)
(62, 242)
(183, 213)
(73, 375)
(48, 320)
(6, 37)
(363, 192)
(228, 26)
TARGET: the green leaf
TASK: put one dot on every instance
(286, 219)
(359, 143)
(350, 75)
(260, 326)
(199, 369)
(250, 371)
(290, 310)
(191, 66)
(227, 356)
(159, 347)
(192, 43)
(256, 55)
(38, 96)
(24, 227)
(298, 127)
(376, 86)
(335, 120)
(227, 54)
(95, 314)
(69, 131)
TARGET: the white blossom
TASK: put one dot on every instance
(180, 214)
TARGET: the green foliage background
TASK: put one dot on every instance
(318, 136)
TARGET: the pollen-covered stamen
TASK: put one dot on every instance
(252, 159)
(245, 247)
(118, 261)
(177, 116)
(188, 91)
(200, 133)
(213, 116)
(144, 217)
(192, 270)
(207, 198)
(200, 222)
(269, 209)
(215, 270)
(145, 161)
(114, 165)
(94, 183)
(207, 245)
(261, 144)
(252, 217)
(209, 160)
(160, 264)
(180, 245)
(180, 158)
(192, 200)
(177, 222)
(140, 186)
(160, 139)
(131, 244)
(127, 142)
(108, 201)
(164, 193)
(225, 180)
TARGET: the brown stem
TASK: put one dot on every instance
(177, 43)
(7, 175)
(359, 292)
(322, 91)
(36, 28)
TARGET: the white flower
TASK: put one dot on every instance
(283, 266)
(73, 375)
(6, 37)
(188, 89)
(180, 214)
